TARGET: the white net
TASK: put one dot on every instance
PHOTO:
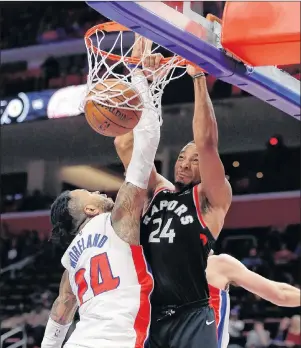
(107, 72)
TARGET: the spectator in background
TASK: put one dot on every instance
(298, 250)
(4, 244)
(36, 322)
(258, 337)
(12, 322)
(279, 339)
(253, 260)
(284, 255)
(50, 69)
(235, 329)
(293, 335)
(12, 254)
(288, 334)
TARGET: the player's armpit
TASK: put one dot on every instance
(65, 305)
(214, 183)
(127, 212)
(269, 290)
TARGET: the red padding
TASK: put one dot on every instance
(262, 33)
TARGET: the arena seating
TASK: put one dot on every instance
(44, 24)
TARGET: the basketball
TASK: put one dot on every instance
(111, 120)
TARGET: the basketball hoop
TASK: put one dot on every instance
(105, 65)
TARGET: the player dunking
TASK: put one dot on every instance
(179, 227)
(224, 270)
(106, 274)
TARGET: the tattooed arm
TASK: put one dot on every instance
(127, 212)
(65, 305)
(61, 315)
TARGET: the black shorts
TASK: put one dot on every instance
(188, 326)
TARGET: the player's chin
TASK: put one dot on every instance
(182, 181)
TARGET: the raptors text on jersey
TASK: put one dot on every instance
(176, 243)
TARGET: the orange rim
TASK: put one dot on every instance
(113, 26)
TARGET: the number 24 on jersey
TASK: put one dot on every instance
(162, 232)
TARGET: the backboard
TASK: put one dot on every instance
(181, 28)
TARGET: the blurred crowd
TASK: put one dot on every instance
(253, 172)
(27, 202)
(44, 24)
(31, 272)
(47, 24)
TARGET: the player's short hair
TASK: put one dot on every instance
(189, 143)
(61, 219)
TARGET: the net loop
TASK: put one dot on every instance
(118, 64)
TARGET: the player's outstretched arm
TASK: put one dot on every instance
(280, 294)
(214, 185)
(61, 315)
(131, 197)
(124, 143)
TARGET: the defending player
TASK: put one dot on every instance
(179, 227)
(106, 272)
(224, 270)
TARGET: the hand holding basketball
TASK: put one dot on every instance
(118, 114)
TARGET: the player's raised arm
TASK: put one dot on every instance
(280, 294)
(61, 315)
(214, 184)
(130, 200)
(124, 143)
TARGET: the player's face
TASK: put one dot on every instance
(187, 166)
(93, 201)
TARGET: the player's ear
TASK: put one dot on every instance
(91, 210)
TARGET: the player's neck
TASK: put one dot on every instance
(83, 223)
(183, 187)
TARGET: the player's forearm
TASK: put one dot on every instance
(124, 146)
(61, 316)
(291, 295)
(146, 138)
(63, 310)
(204, 123)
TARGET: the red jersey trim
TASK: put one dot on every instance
(145, 279)
(197, 204)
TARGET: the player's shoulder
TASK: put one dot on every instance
(92, 227)
(163, 184)
(97, 219)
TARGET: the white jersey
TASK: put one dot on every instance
(112, 284)
(220, 302)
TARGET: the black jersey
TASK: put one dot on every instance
(176, 244)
